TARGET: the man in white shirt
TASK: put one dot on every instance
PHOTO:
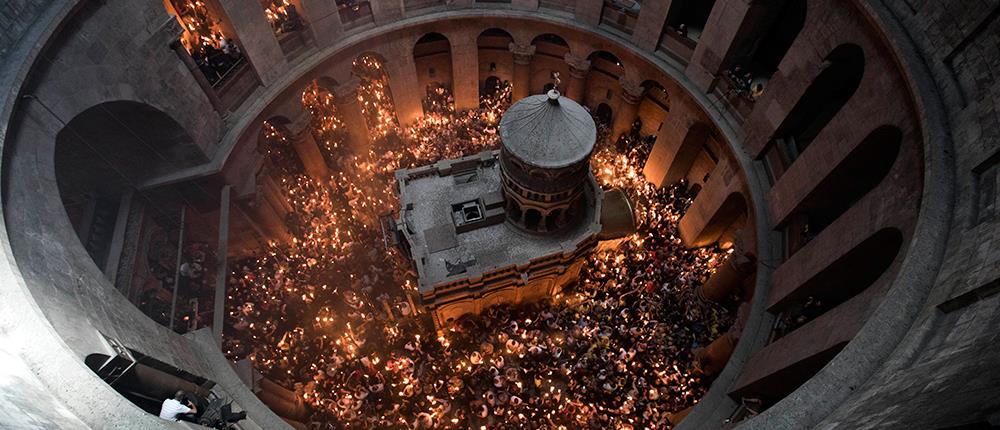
(174, 410)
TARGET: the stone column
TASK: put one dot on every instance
(589, 11)
(199, 77)
(711, 359)
(266, 220)
(728, 277)
(652, 18)
(256, 38)
(628, 108)
(578, 69)
(720, 32)
(305, 145)
(384, 12)
(522, 69)
(349, 109)
(221, 257)
(405, 88)
(273, 195)
(465, 70)
(324, 21)
(719, 203)
(281, 400)
(675, 150)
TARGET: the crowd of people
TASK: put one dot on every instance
(194, 292)
(743, 84)
(282, 15)
(331, 315)
(213, 53)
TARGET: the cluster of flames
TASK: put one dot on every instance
(336, 264)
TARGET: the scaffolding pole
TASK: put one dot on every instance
(219, 312)
(177, 269)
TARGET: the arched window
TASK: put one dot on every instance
(532, 217)
(606, 63)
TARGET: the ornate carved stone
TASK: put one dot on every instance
(578, 66)
(522, 53)
(632, 91)
(347, 92)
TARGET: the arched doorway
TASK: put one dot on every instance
(491, 86)
(375, 93)
(532, 218)
(432, 57)
(602, 80)
(604, 114)
(495, 58)
(550, 54)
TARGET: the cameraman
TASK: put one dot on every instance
(174, 410)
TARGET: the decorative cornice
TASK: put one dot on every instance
(522, 53)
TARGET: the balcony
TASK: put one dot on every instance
(416, 5)
(736, 96)
(558, 5)
(677, 45)
(620, 16)
(354, 14)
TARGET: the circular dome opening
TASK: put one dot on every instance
(329, 197)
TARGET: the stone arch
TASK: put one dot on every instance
(653, 107)
(687, 152)
(603, 86)
(432, 57)
(557, 45)
(721, 223)
(860, 172)
(532, 219)
(514, 212)
(491, 85)
(105, 152)
(370, 66)
(816, 107)
(606, 62)
(494, 55)
(549, 58)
